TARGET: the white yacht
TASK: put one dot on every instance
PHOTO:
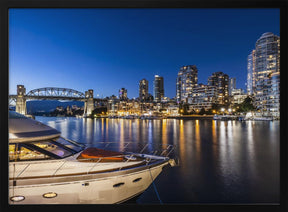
(45, 168)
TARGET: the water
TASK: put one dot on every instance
(220, 161)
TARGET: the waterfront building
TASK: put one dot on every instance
(112, 106)
(172, 110)
(165, 99)
(131, 107)
(75, 107)
(274, 99)
(238, 96)
(59, 108)
(145, 107)
(122, 107)
(69, 111)
(203, 96)
(251, 73)
(143, 90)
(237, 91)
(220, 81)
(187, 79)
(123, 94)
(157, 107)
(232, 85)
(267, 72)
(158, 88)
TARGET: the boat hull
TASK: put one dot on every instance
(117, 187)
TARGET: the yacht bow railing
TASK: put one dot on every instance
(126, 150)
(162, 149)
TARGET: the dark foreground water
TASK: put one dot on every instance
(220, 161)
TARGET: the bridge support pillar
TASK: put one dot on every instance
(89, 103)
(21, 100)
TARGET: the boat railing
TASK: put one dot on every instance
(64, 162)
(130, 155)
(94, 165)
(23, 170)
(163, 152)
(161, 149)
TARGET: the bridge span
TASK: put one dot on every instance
(53, 93)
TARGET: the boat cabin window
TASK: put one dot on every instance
(46, 149)
(73, 146)
(21, 153)
(54, 148)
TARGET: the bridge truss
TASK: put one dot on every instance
(52, 93)
(56, 92)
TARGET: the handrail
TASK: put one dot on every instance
(128, 143)
(170, 151)
(22, 170)
(59, 168)
(131, 156)
(94, 165)
(166, 150)
(162, 150)
(165, 153)
(144, 148)
(66, 161)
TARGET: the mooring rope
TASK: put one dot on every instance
(158, 196)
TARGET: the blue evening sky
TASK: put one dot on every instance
(107, 49)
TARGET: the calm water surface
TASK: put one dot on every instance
(220, 161)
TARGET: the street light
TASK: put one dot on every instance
(223, 109)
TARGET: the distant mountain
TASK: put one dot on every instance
(47, 106)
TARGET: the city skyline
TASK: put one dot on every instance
(109, 49)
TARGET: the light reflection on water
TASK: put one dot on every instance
(220, 161)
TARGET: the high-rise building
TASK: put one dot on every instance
(143, 90)
(187, 79)
(221, 82)
(232, 85)
(251, 73)
(267, 73)
(274, 100)
(123, 94)
(203, 96)
(158, 88)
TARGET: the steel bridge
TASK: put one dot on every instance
(53, 93)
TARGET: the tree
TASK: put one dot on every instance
(99, 111)
(202, 111)
(183, 108)
(246, 105)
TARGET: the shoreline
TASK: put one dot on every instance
(191, 117)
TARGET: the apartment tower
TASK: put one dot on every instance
(221, 82)
(187, 79)
(267, 74)
(143, 90)
(123, 94)
(158, 88)
(251, 73)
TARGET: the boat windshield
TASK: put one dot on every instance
(46, 149)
